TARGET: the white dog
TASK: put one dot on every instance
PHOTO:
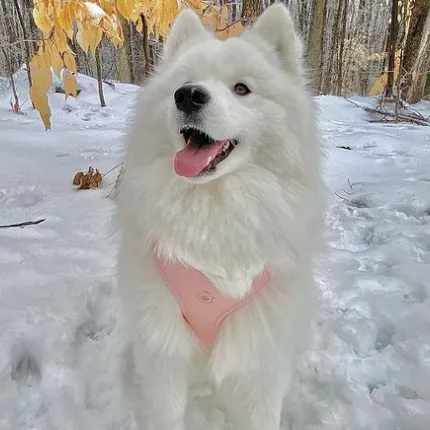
(220, 213)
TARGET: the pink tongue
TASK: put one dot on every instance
(191, 160)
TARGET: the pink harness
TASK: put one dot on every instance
(203, 306)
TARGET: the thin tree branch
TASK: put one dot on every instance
(23, 224)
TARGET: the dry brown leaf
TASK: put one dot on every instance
(88, 180)
(97, 179)
(78, 178)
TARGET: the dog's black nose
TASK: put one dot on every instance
(191, 98)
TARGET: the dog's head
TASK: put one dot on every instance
(226, 105)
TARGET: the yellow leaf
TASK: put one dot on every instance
(66, 17)
(60, 37)
(223, 17)
(81, 37)
(112, 29)
(94, 35)
(234, 30)
(40, 71)
(57, 62)
(41, 74)
(89, 35)
(40, 102)
(195, 4)
(166, 12)
(41, 18)
(69, 61)
(109, 6)
(209, 17)
(125, 8)
(70, 84)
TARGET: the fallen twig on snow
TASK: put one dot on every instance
(413, 118)
(23, 224)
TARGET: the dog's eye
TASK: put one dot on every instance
(241, 89)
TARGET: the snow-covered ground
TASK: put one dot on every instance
(369, 368)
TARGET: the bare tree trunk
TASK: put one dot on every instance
(427, 86)
(15, 106)
(416, 52)
(316, 43)
(419, 87)
(33, 30)
(99, 76)
(26, 43)
(392, 47)
(124, 56)
(251, 9)
(146, 53)
(303, 17)
(138, 55)
(342, 37)
(10, 37)
(335, 38)
(8, 19)
(234, 11)
(419, 15)
(365, 10)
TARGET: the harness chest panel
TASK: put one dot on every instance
(203, 306)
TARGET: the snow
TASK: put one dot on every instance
(369, 366)
(95, 11)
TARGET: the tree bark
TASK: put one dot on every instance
(145, 44)
(327, 87)
(419, 15)
(392, 48)
(26, 41)
(10, 38)
(251, 9)
(427, 86)
(365, 11)
(15, 107)
(137, 55)
(124, 56)
(342, 37)
(415, 49)
(99, 76)
(34, 31)
(316, 43)
(303, 17)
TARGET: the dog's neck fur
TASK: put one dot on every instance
(196, 224)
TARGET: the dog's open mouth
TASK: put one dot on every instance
(201, 153)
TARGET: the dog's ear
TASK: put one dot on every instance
(276, 27)
(186, 29)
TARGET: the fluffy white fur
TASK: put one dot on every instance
(261, 207)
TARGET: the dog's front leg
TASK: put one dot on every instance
(163, 391)
(255, 404)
